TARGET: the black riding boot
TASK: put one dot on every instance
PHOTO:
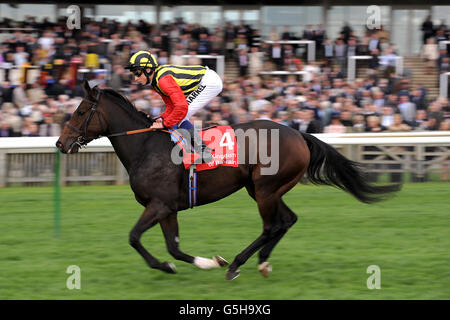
(200, 146)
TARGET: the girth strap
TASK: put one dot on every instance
(193, 186)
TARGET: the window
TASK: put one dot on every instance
(40, 11)
(296, 18)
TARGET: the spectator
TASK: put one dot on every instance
(374, 43)
(418, 99)
(430, 54)
(117, 77)
(346, 32)
(328, 51)
(336, 126)
(308, 33)
(407, 109)
(19, 95)
(378, 99)
(35, 93)
(384, 37)
(5, 129)
(324, 91)
(304, 121)
(340, 53)
(273, 34)
(387, 118)
(259, 103)
(49, 128)
(346, 120)
(255, 61)
(286, 35)
(20, 57)
(204, 46)
(243, 62)
(29, 128)
(427, 28)
(277, 55)
(192, 59)
(352, 48)
(359, 123)
(373, 124)
(420, 120)
(440, 34)
(374, 62)
(435, 115)
(388, 61)
(398, 124)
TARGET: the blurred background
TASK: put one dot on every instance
(318, 67)
(370, 80)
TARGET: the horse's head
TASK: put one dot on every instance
(86, 124)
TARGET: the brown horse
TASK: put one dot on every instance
(161, 186)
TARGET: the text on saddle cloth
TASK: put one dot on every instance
(220, 139)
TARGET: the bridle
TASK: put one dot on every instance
(83, 139)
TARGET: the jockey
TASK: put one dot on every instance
(184, 89)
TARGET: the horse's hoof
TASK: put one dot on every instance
(220, 261)
(265, 268)
(168, 267)
(231, 275)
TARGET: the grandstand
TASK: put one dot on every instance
(319, 67)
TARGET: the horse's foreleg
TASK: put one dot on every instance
(153, 213)
(169, 227)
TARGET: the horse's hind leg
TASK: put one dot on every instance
(169, 227)
(268, 209)
(153, 213)
(288, 218)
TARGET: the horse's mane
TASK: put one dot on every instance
(127, 103)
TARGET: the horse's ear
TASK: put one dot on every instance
(86, 87)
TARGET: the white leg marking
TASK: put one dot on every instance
(265, 268)
(204, 263)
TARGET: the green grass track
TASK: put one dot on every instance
(324, 256)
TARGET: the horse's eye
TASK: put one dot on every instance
(80, 113)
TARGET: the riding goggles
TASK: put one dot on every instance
(137, 72)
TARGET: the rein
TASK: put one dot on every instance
(83, 140)
(127, 133)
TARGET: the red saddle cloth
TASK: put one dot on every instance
(222, 141)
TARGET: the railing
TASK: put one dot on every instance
(30, 161)
(311, 45)
(15, 75)
(306, 75)
(351, 66)
(443, 44)
(219, 65)
(443, 85)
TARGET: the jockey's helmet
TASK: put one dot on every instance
(140, 61)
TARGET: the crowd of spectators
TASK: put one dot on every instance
(324, 102)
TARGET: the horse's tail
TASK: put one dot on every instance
(341, 172)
